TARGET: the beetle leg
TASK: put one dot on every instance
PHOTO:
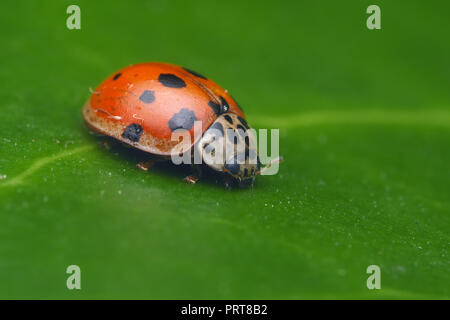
(145, 165)
(191, 179)
(196, 174)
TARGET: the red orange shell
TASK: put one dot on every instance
(142, 104)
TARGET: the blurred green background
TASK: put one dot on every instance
(364, 119)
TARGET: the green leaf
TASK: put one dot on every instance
(364, 125)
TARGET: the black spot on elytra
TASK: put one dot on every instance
(195, 73)
(133, 132)
(217, 126)
(171, 80)
(219, 108)
(228, 118)
(215, 106)
(184, 119)
(244, 123)
(148, 96)
(224, 103)
(246, 172)
(117, 76)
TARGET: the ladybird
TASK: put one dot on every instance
(142, 105)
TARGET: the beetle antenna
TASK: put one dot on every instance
(271, 162)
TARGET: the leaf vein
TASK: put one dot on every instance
(39, 163)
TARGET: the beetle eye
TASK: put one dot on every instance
(225, 108)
